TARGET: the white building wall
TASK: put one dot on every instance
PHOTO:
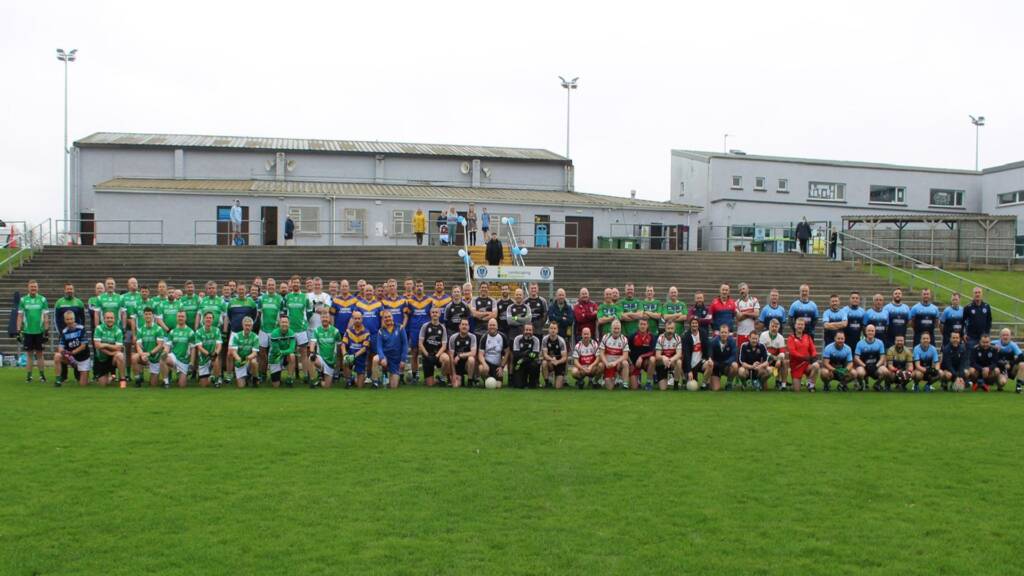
(997, 183)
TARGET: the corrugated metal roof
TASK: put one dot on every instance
(309, 145)
(389, 191)
(704, 156)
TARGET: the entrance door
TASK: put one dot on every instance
(682, 237)
(224, 225)
(87, 228)
(579, 232)
(541, 230)
(268, 217)
(434, 222)
(657, 236)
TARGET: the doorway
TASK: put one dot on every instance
(579, 232)
(268, 218)
(224, 225)
(541, 230)
(87, 228)
(657, 236)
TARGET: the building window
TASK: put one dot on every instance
(783, 187)
(1011, 197)
(737, 182)
(401, 223)
(759, 184)
(828, 191)
(682, 188)
(946, 198)
(887, 194)
(353, 221)
(306, 219)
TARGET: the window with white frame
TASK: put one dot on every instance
(1011, 197)
(737, 182)
(887, 194)
(759, 184)
(946, 198)
(401, 223)
(353, 221)
(828, 191)
(306, 219)
(783, 186)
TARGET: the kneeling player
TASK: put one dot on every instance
(641, 354)
(984, 360)
(753, 358)
(802, 354)
(324, 342)
(244, 353)
(433, 345)
(108, 340)
(355, 346)
(463, 350)
(723, 355)
(392, 351)
(282, 353)
(585, 365)
(179, 347)
(900, 361)
(869, 360)
(668, 358)
(492, 352)
(555, 355)
(696, 346)
(149, 349)
(72, 352)
(1009, 360)
(955, 369)
(775, 344)
(614, 356)
(926, 364)
(837, 360)
(208, 343)
(525, 359)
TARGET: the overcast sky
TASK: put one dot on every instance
(876, 81)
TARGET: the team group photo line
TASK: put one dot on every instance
(247, 334)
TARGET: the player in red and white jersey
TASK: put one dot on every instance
(775, 342)
(668, 358)
(614, 356)
(747, 311)
(585, 361)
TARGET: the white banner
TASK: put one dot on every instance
(515, 273)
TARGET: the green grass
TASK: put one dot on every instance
(6, 252)
(420, 481)
(1007, 282)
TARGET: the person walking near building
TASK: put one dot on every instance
(803, 235)
(419, 225)
(471, 224)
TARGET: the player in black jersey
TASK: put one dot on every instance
(517, 315)
(72, 351)
(555, 357)
(538, 309)
(501, 309)
(525, 358)
(483, 309)
(462, 346)
(455, 312)
(433, 345)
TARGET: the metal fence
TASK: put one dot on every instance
(765, 237)
(70, 232)
(943, 250)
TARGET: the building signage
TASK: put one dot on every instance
(515, 273)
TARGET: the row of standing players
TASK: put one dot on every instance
(511, 312)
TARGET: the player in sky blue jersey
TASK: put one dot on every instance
(854, 319)
(837, 364)
(924, 316)
(804, 308)
(869, 360)
(899, 317)
(926, 364)
(772, 311)
(833, 320)
(952, 318)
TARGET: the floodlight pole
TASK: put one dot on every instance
(569, 86)
(66, 57)
(978, 123)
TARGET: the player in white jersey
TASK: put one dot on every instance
(748, 309)
(614, 357)
(776, 345)
(668, 358)
(586, 366)
(320, 302)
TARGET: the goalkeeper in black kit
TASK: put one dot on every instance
(525, 359)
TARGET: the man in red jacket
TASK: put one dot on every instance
(585, 312)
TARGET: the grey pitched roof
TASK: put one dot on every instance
(120, 139)
(705, 156)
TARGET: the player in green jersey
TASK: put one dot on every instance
(300, 308)
(282, 352)
(190, 304)
(108, 339)
(270, 304)
(33, 324)
(631, 311)
(325, 342)
(149, 349)
(208, 344)
(243, 352)
(607, 313)
(650, 308)
(110, 301)
(95, 314)
(167, 315)
(179, 345)
(674, 310)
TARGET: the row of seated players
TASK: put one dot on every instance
(614, 361)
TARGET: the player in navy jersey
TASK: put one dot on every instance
(854, 319)
(72, 351)
(983, 364)
(899, 317)
(955, 368)
(924, 316)
(804, 308)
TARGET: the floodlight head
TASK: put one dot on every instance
(71, 55)
(979, 121)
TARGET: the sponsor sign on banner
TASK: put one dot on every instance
(515, 273)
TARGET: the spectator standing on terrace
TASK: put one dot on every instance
(803, 234)
(471, 224)
(236, 221)
(485, 222)
(452, 220)
(494, 252)
(289, 231)
(419, 225)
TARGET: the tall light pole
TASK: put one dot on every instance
(978, 123)
(725, 143)
(569, 86)
(66, 57)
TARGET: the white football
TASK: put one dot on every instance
(692, 386)
(958, 386)
(491, 383)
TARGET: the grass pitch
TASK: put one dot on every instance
(419, 481)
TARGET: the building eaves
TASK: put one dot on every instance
(706, 156)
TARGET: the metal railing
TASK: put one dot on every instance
(938, 247)
(109, 231)
(325, 233)
(764, 237)
(910, 264)
(29, 241)
(12, 231)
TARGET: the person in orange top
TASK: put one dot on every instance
(419, 225)
(801, 357)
